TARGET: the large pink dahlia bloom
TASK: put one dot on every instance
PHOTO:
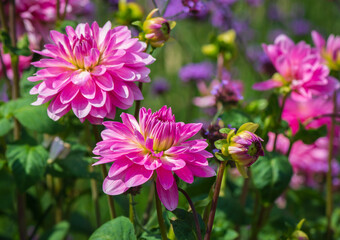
(92, 71)
(156, 145)
(299, 68)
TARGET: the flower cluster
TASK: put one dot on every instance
(92, 71)
(156, 146)
(299, 70)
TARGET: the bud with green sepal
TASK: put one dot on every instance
(156, 30)
(244, 146)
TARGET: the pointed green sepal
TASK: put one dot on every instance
(221, 157)
(230, 135)
(219, 143)
(250, 127)
(225, 130)
(242, 169)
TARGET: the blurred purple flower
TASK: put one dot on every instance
(274, 12)
(160, 86)
(255, 3)
(177, 9)
(260, 60)
(300, 27)
(202, 71)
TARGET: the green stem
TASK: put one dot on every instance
(93, 182)
(329, 184)
(138, 102)
(192, 206)
(131, 210)
(160, 215)
(215, 199)
(149, 205)
(95, 197)
(285, 96)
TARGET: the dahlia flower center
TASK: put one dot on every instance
(86, 54)
(253, 149)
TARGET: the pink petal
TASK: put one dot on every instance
(169, 197)
(114, 186)
(165, 178)
(80, 106)
(201, 171)
(266, 85)
(185, 174)
(137, 175)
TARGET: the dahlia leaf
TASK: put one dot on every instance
(119, 228)
(271, 176)
(27, 163)
(309, 136)
(184, 225)
(225, 130)
(58, 232)
(5, 126)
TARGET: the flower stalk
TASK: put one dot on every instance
(215, 199)
(192, 206)
(159, 215)
(329, 183)
(285, 96)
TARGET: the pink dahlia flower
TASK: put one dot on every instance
(92, 71)
(330, 50)
(37, 17)
(156, 145)
(299, 69)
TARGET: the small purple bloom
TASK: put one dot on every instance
(160, 86)
(197, 72)
(300, 27)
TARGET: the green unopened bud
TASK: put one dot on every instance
(227, 38)
(156, 30)
(210, 50)
(299, 235)
(128, 12)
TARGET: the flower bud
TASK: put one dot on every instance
(128, 12)
(156, 30)
(244, 147)
(299, 235)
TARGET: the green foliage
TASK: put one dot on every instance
(309, 136)
(271, 176)
(22, 47)
(5, 126)
(184, 225)
(58, 232)
(27, 164)
(32, 117)
(117, 229)
(235, 118)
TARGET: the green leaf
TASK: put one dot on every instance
(117, 229)
(235, 118)
(219, 143)
(309, 136)
(5, 126)
(221, 157)
(31, 117)
(225, 130)
(58, 232)
(27, 163)
(271, 176)
(184, 226)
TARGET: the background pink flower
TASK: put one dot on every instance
(92, 71)
(330, 50)
(38, 17)
(157, 144)
(299, 67)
